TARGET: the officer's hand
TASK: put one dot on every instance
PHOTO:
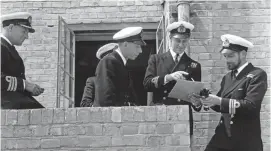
(34, 89)
(176, 75)
(37, 90)
(29, 86)
(195, 99)
(212, 100)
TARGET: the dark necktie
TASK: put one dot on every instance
(176, 58)
(234, 72)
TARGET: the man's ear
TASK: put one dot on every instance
(10, 26)
(125, 43)
(244, 53)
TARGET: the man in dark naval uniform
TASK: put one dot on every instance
(113, 85)
(16, 91)
(164, 69)
(238, 100)
(89, 90)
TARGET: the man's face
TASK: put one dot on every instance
(233, 58)
(179, 44)
(18, 34)
(132, 50)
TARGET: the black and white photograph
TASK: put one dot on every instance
(135, 75)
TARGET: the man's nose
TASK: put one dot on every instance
(180, 44)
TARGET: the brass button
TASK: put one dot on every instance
(231, 122)
(164, 98)
(165, 91)
(179, 100)
(221, 121)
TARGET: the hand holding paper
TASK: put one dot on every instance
(176, 76)
(195, 99)
(212, 100)
(183, 89)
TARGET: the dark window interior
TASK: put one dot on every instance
(86, 63)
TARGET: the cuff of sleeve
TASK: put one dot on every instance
(224, 105)
(165, 80)
(161, 80)
(229, 105)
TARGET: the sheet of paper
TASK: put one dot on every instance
(183, 88)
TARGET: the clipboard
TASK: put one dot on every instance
(183, 88)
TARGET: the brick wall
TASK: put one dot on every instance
(96, 129)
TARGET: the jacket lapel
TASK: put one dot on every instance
(239, 79)
(118, 57)
(168, 62)
(182, 64)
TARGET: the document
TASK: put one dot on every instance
(183, 88)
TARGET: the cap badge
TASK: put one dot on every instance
(181, 29)
(226, 43)
(29, 19)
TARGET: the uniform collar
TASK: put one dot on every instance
(173, 54)
(4, 37)
(121, 55)
(241, 68)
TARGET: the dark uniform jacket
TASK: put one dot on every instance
(89, 93)
(13, 95)
(112, 81)
(161, 64)
(248, 89)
